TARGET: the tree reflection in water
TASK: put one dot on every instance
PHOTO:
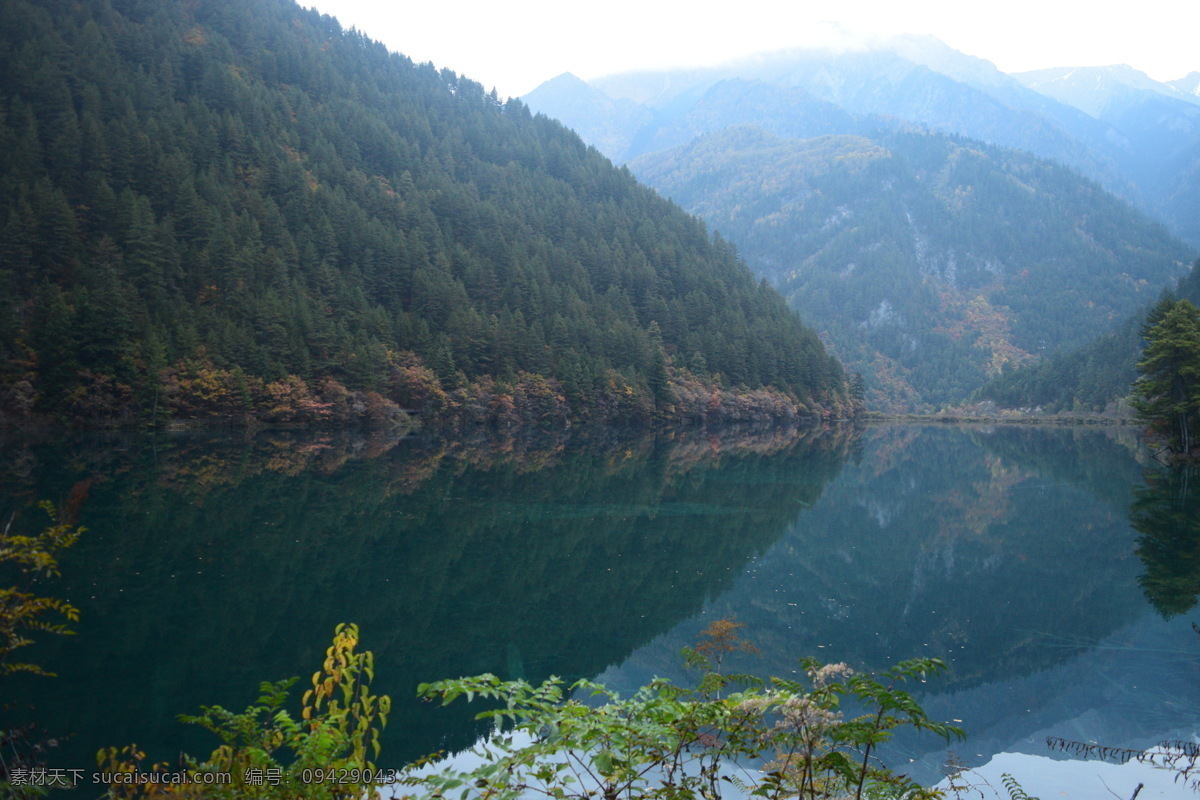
(1166, 512)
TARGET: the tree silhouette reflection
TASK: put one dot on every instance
(1166, 512)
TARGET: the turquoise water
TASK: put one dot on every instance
(216, 561)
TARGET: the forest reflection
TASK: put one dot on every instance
(215, 561)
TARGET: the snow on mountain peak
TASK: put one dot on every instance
(1096, 90)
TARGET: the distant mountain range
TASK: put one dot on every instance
(1114, 124)
(1155, 131)
(928, 235)
(1098, 91)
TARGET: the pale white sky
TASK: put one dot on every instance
(515, 45)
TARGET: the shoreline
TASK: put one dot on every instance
(999, 419)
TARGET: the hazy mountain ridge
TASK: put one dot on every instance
(1189, 84)
(1094, 90)
(1135, 136)
(568, 97)
(1155, 127)
(966, 258)
(903, 81)
(728, 102)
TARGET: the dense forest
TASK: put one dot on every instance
(223, 209)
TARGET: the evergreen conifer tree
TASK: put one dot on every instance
(1167, 395)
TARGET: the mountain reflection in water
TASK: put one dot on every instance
(214, 562)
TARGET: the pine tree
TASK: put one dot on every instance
(53, 339)
(1167, 395)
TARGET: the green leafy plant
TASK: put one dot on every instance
(24, 612)
(672, 742)
(266, 753)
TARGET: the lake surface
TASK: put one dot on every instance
(1026, 557)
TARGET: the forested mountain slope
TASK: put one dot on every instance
(1094, 377)
(932, 262)
(236, 208)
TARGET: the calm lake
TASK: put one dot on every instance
(1053, 570)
